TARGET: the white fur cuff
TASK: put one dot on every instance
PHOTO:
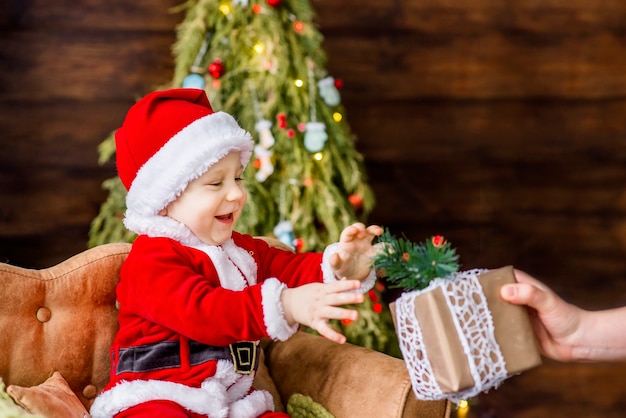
(273, 315)
(329, 274)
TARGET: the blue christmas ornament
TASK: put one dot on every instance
(315, 136)
(284, 232)
(193, 81)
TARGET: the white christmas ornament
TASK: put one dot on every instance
(266, 139)
(266, 167)
(315, 136)
(329, 91)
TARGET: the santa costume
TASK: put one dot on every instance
(191, 314)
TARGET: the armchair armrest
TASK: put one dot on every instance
(349, 381)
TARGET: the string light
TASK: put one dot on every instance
(298, 83)
(462, 408)
(337, 117)
(225, 9)
(298, 26)
(257, 8)
(259, 48)
(318, 156)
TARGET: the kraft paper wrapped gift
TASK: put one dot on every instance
(459, 338)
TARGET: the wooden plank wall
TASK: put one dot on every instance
(499, 124)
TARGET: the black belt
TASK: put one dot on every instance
(166, 354)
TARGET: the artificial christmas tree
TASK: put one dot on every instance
(262, 62)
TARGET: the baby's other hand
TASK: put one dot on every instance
(315, 303)
(355, 252)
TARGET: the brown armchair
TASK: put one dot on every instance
(63, 319)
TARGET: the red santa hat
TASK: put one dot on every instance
(168, 139)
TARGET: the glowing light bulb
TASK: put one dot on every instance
(462, 408)
(337, 117)
(298, 83)
(259, 48)
(225, 9)
(298, 26)
(318, 156)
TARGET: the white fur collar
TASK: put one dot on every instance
(235, 267)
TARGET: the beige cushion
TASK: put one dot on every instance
(52, 399)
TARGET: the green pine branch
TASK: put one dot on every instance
(413, 266)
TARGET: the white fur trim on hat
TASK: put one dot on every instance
(183, 158)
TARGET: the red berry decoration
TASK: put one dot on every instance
(275, 3)
(338, 83)
(282, 120)
(299, 244)
(438, 241)
(216, 68)
(356, 201)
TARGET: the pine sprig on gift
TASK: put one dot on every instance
(412, 266)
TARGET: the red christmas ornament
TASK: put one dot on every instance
(275, 3)
(378, 308)
(216, 68)
(338, 83)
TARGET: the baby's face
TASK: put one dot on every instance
(212, 203)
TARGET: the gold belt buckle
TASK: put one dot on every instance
(245, 356)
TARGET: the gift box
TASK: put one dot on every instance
(459, 338)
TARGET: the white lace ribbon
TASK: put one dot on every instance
(475, 329)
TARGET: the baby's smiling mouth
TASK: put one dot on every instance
(227, 217)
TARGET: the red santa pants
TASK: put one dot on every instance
(171, 409)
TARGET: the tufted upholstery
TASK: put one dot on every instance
(61, 319)
(64, 319)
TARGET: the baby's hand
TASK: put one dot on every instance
(315, 303)
(355, 252)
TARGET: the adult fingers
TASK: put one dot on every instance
(528, 291)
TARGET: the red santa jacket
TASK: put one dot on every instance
(175, 296)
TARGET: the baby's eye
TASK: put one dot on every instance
(238, 179)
